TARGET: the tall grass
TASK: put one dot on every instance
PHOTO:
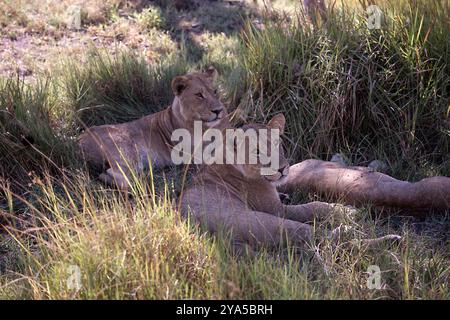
(29, 138)
(367, 93)
(123, 249)
(119, 88)
(82, 241)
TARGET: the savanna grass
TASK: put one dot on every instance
(124, 249)
(29, 139)
(369, 93)
(85, 241)
(119, 88)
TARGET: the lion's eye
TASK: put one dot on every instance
(200, 95)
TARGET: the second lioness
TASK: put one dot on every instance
(130, 146)
(239, 199)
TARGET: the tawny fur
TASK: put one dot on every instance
(238, 199)
(361, 185)
(134, 145)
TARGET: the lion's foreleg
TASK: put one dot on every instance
(314, 210)
(260, 228)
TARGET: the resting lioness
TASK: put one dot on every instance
(238, 198)
(130, 146)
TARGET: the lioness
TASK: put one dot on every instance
(238, 198)
(127, 146)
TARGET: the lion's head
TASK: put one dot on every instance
(196, 99)
(265, 168)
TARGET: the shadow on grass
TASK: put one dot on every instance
(186, 21)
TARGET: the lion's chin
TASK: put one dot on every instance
(213, 123)
(276, 179)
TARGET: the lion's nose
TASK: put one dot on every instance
(284, 170)
(217, 111)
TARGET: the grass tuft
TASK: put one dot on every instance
(119, 88)
(380, 93)
(29, 139)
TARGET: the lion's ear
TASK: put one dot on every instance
(211, 74)
(277, 122)
(179, 84)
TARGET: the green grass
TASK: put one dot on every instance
(125, 250)
(114, 89)
(150, 18)
(138, 248)
(343, 88)
(365, 93)
(29, 139)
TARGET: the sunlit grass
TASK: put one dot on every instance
(135, 246)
